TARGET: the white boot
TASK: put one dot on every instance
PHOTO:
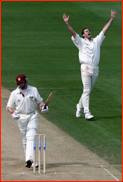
(88, 115)
(79, 111)
(36, 165)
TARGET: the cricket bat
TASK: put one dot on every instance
(49, 99)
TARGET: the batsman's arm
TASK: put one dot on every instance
(10, 109)
(105, 28)
(41, 104)
(65, 18)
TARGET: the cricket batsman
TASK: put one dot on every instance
(89, 56)
(22, 105)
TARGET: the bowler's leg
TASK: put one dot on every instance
(85, 99)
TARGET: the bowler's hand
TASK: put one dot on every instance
(113, 13)
(65, 18)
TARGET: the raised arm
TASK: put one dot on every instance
(105, 28)
(65, 18)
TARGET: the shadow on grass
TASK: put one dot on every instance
(98, 118)
(106, 117)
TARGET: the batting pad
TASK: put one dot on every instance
(29, 148)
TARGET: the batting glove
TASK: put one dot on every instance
(14, 115)
(44, 110)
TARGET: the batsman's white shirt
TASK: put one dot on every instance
(26, 103)
(89, 51)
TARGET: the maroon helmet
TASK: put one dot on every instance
(21, 78)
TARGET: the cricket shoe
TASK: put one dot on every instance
(36, 165)
(79, 111)
(29, 163)
(88, 115)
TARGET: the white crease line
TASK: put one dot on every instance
(74, 165)
(65, 173)
(19, 173)
(109, 172)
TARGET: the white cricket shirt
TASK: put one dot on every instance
(89, 51)
(24, 103)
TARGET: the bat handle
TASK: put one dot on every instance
(45, 106)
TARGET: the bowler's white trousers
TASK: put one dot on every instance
(89, 76)
(28, 125)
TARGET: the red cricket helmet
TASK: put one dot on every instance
(21, 78)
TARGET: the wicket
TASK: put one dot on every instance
(39, 153)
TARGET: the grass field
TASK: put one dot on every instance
(36, 42)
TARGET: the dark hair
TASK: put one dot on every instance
(83, 31)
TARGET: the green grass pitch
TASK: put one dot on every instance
(35, 42)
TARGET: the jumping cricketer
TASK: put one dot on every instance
(89, 56)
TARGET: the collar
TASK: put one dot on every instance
(88, 40)
(18, 90)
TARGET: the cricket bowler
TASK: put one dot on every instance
(89, 56)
